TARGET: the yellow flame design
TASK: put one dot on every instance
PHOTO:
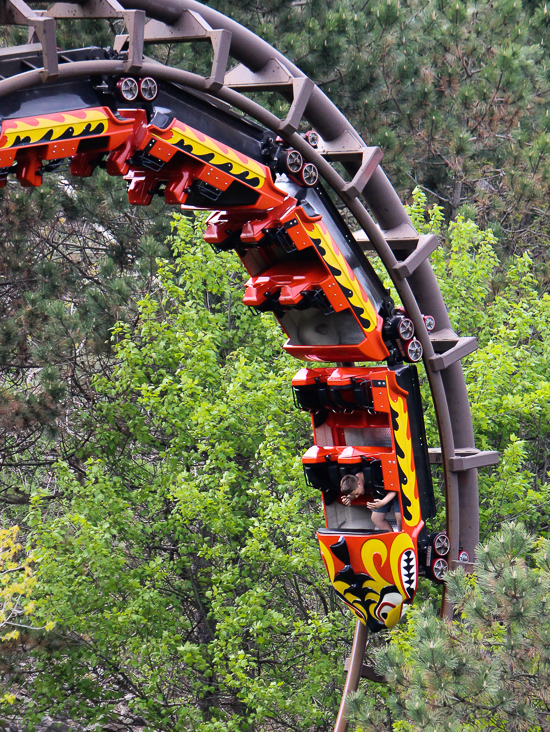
(346, 279)
(202, 145)
(374, 547)
(405, 459)
(327, 556)
(369, 550)
(58, 123)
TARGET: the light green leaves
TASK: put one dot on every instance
(183, 566)
(501, 304)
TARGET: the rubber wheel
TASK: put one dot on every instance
(439, 569)
(441, 544)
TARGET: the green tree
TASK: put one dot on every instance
(73, 261)
(455, 94)
(507, 377)
(487, 670)
(16, 584)
(182, 573)
(17, 607)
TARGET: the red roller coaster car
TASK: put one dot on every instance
(369, 421)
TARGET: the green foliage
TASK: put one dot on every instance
(453, 93)
(508, 383)
(181, 570)
(489, 668)
(74, 257)
(16, 583)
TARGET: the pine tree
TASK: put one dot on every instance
(487, 669)
(74, 259)
(454, 94)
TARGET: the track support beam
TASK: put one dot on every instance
(17, 12)
(426, 246)
(355, 668)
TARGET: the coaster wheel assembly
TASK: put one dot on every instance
(262, 184)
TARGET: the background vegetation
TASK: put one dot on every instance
(150, 451)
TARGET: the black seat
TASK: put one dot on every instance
(325, 477)
(358, 393)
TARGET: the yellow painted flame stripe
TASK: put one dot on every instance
(327, 555)
(337, 263)
(402, 437)
(59, 123)
(369, 550)
(203, 145)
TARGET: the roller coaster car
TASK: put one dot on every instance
(369, 420)
(304, 263)
(304, 269)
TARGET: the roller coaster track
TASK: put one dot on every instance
(365, 190)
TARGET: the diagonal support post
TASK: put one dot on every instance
(17, 12)
(135, 25)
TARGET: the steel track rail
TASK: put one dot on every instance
(419, 292)
(417, 289)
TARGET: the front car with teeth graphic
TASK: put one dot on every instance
(374, 571)
(375, 576)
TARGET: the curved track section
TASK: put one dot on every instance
(174, 133)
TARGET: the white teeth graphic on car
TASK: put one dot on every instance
(408, 571)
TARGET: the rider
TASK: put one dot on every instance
(353, 486)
